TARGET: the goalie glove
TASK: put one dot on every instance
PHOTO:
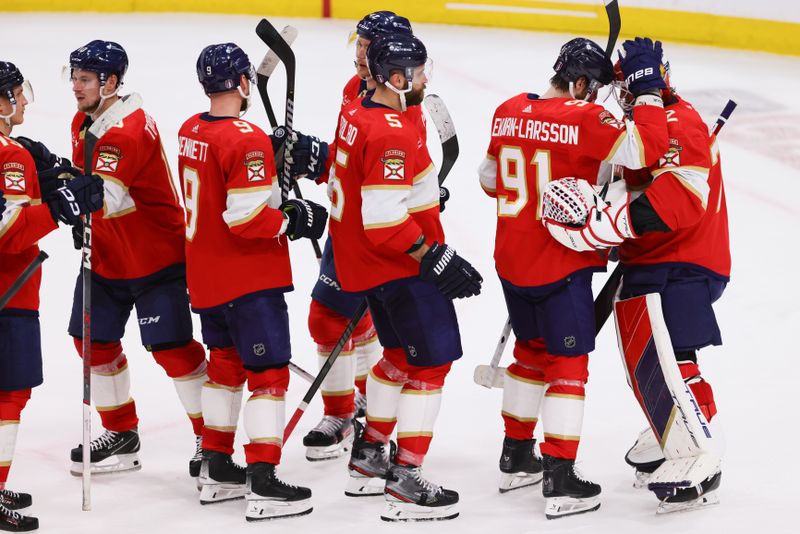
(582, 219)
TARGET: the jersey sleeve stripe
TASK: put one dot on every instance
(10, 216)
(425, 192)
(695, 179)
(117, 201)
(628, 149)
(242, 205)
(487, 172)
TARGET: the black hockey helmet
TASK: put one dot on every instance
(10, 77)
(381, 22)
(398, 51)
(103, 57)
(583, 57)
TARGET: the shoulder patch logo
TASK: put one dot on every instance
(254, 161)
(14, 176)
(394, 164)
(673, 156)
(607, 118)
(108, 157)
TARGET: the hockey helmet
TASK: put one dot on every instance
(220, 66)
(103, 57)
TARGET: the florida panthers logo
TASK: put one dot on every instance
(673, 156)
(254, 162)
(108, 158)
(394, 165)
(14, 175)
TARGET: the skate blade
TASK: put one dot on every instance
(118, 463)
(360, 486)
(215, 493)
(331, 452)
(707, 499)
(558, 507)
(406, 511)
(267, 509)
(514, 481)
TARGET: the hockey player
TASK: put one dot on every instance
(548, 293)
(331, 309)
(408, 284)
(138, 260)
(237, 225)
(25, 217)
(675, 243)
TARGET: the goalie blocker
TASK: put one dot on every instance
(691, 470)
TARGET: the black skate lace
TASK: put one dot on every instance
(329, 425)
(107, 438)
(360, 400)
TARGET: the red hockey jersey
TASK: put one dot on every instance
(687, 193)
(377, 155)
(140, 229)
(537, 140)
(234, 241)
(25, 221)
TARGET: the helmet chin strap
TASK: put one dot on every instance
(400, 92)
(103, 97)
(247, 98)
(7, 118)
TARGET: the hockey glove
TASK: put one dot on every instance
(42, 157)
(306, 155)
(581, 219)
(77, 197)
(55, 178)
(444, 196)
(641, 66)
(2, 204)
(306, 219)
(452, 274)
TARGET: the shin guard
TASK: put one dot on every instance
(11, 405)
(111, 386)
(264, 415)
(384, 385)
(417, 411)
(187, 367)
(222, 399)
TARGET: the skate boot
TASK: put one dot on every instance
(645, 457)
(519, 464)
(410, 497)
(221, 478)
(269, 497)
(15, 501)
(369, 464)
(331, 438)
(686, 499)
(112, 452)
(11, 521)
(361, 405)
(196, 461)
(565, 492)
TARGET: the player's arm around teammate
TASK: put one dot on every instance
(26, 216)
(238, 271)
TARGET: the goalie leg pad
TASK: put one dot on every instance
(670, 406)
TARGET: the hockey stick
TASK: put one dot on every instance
(283, 53)
(614, 25)
(488, 375)
(447, 133)
(118, 111)
(265, 70)
(22, 278)
(323, 372)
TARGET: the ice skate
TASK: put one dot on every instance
(14, 500)
(368, 467)
(196, 461)
(331, 438)
(410, 497)
(519, 464)
(361, 405)
(221, 478)
(113, 452)
(687, 499)
(268, 497)
(12, 521)
(645, 456)
(565, 492)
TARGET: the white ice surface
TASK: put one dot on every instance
(754, 374)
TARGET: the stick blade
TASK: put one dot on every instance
(271, 60)
(118, 111)
(488, 376)
(443, 121)
(270, 36)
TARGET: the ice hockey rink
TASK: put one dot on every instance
(754, 374)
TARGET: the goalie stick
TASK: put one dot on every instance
(446, 132)
(281, 53)
(22, 278)
(488, 375)
(114, 114)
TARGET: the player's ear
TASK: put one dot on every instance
(581, 84)
(398, 80)
(112, 83)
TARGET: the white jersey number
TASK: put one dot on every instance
(514, 177)
(191, 196)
